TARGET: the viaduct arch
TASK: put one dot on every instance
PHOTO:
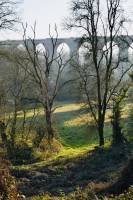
(123, 43)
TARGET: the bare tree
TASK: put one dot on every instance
(14, 88)
(8, 19)
(3, 111)
(101, 69)
(45, 70)
(17, 87)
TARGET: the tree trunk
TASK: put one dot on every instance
(117, 134)
(13, 128)
(101, 133)
(3, 134)
(12, 135)
(50, 131)
(23, 124)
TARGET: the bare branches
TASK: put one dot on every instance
(46, 69)
(87, 16)
(8, 14)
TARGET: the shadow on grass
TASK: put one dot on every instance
(77, 135)
(73, 136)
(81, 134)
(98, 165)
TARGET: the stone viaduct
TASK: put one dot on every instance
(123, 43)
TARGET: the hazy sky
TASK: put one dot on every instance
(46, 12)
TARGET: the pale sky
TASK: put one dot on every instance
(46, 12)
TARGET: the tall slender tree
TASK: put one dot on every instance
(88, 17)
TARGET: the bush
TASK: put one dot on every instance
(130, 123)
(79, 194)
(8, 189)
(46, 149)
(21, 154)
(124, 196)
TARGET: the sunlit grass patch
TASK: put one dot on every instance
(31, 112)
(68, 107)
(65, 153)
(76, 130)
(79, 120)
(58, 107)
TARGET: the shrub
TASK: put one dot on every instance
(79, 194)
(8, 189)
(130, 123)
(124, 196)
(46, 149)
(21, 154)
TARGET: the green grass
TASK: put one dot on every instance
(74, 127)
(75, 130)
(78, 138)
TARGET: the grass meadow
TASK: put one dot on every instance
(77, 163)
